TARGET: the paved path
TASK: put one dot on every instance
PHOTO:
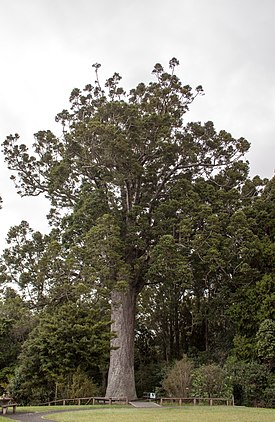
(36, 417)
(27, 417)
(141, 404)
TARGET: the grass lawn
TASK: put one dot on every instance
(183, 414)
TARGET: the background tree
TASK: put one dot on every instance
(196, 270)
(23, 263)
(69, 343)
(16, 322)
(253, 300)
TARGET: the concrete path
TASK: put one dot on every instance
(27, 417)
(36, 417)
(141, 404)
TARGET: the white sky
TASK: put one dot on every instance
(48, 48)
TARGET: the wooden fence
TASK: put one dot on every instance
(162, 401)
(197, 400)
(86, 400)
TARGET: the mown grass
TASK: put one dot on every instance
(186, 414)
(120, 413)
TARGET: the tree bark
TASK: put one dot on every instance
(121, 378)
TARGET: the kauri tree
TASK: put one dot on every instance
(118, 160)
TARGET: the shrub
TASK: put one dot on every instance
(253, 383)
(178, 382)
(211, 381)
(82, 385)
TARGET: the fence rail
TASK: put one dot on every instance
(211, 401)
(86, 400)
(197, 400)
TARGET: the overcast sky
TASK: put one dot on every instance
(48, 48)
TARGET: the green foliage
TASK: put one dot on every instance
(168, 262)
(74, 336)
(29, 261)
(81, 386)
(211, 381)
(252, 383)
(104, 249)
(184, 380)
(16, 321)
(266, 342)
(244, 347)
(265, 291)
(253, 302)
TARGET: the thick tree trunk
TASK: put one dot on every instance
(121, 379)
